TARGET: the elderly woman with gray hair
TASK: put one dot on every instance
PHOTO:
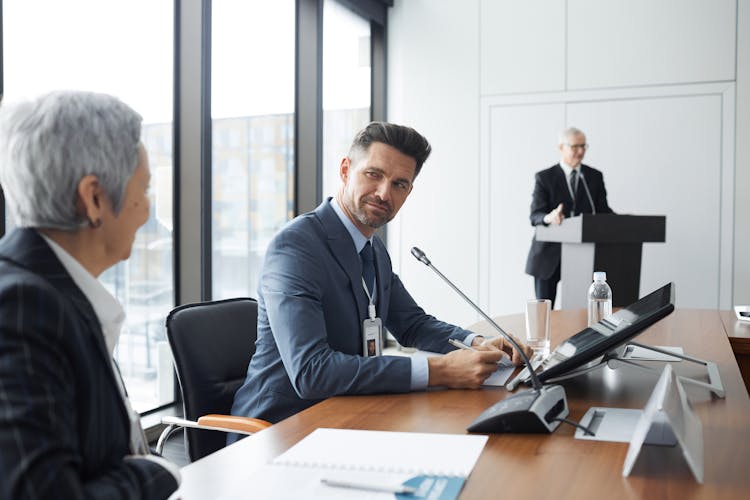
(76, 178)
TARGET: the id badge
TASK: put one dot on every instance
(372, 330)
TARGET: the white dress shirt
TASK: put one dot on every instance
(111, 317)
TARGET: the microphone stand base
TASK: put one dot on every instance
(528, 412)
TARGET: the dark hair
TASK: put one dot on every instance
(407, 140)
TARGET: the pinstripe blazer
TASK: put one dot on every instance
(64, 430)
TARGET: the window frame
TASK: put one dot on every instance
(191, 137)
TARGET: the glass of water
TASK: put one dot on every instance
(537, 326)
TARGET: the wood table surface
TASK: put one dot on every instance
(739, 338)
(540, 465)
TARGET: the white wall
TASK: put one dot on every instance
(742, 158)
(653, 84)
(432, 86)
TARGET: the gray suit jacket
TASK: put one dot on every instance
(64, 430)
(311, 305)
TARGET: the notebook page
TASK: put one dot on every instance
(383, 451)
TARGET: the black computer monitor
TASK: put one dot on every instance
(609, 334)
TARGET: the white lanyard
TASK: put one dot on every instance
(371, 306)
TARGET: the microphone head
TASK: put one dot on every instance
(420, 256)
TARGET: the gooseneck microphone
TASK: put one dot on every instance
(421, 257)
(539, 409)
(588, 193)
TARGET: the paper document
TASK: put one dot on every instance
(501, 375)
(432, 466)
(381, 451)
(285, 482)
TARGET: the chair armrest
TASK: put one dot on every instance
(213, 422)
(234, 423)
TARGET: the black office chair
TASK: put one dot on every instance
(212, 343)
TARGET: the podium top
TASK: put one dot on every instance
(606, 228)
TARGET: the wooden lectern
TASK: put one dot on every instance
(606, 242)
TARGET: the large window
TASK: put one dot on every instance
(124, 48)
(290, 83)
(346, 86)
(252, 111)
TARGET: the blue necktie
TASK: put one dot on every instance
(368, 266)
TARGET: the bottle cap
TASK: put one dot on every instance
(600, 276)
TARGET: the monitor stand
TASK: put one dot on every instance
(618, 358)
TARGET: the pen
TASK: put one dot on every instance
(504, 361)
(400, 488)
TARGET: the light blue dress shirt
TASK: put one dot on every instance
(420, 374)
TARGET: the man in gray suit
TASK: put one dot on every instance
(319, 305)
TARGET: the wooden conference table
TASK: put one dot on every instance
(535, 465)
(739, 337)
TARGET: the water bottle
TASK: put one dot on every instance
(600, 298)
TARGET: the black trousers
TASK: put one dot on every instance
(547, 289)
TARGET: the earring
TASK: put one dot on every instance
(95, 223)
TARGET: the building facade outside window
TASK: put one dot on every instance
(346, 86)
(128, 52)
(127, 49)
(252, 111)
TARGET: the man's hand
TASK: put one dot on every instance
(500, 343)
(464, 369)
(556, 216)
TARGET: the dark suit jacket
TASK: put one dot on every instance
(311, 305)
(64, 429)
(551, 189)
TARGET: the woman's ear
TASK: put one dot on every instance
(90, 200)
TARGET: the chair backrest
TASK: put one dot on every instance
(212, 343)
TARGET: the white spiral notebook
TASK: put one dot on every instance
(434, 466)
(382, 451)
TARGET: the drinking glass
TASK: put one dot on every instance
(537, 326)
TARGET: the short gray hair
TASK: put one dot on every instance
(47, 145)
(567, 133)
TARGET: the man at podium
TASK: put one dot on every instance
(566, 189)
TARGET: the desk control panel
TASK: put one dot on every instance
(526, 412)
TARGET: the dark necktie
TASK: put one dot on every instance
(573, 183)
(368, 266)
